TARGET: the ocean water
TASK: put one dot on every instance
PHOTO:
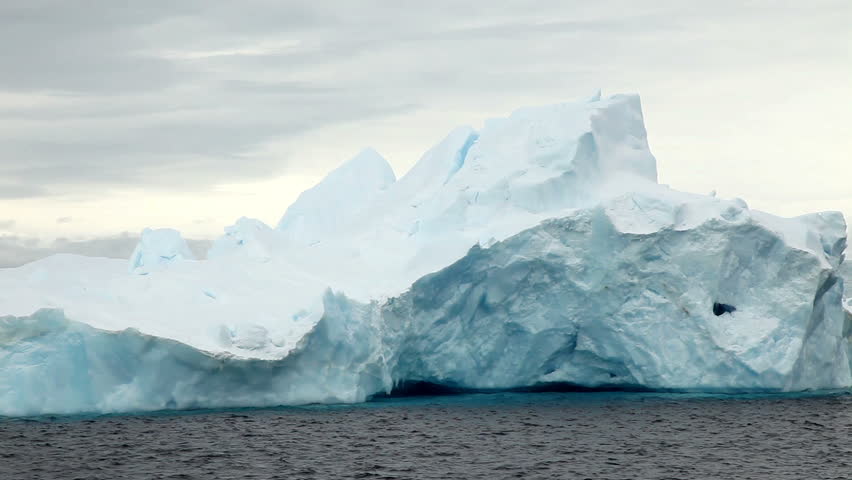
(483, 436)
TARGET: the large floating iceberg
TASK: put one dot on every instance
(537, 250)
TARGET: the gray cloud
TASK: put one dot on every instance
(172, 153)
(18, 190)
(64, 220)
(7, 224)
(16, 250)
(183, 95)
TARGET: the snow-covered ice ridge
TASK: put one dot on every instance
(539, 249)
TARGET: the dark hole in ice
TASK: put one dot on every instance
(429, 389)
(418, 389)
(723, 308)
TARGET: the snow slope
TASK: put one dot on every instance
(616, 286)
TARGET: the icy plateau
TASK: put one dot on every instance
(538, 250)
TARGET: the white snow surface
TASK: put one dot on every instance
(558, 257)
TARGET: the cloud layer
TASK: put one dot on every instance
(185, 95)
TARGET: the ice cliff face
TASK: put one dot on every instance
(846, 276)
(845, 272)
(50, 364)
(538, 249)
(624, 294)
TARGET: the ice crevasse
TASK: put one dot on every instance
(537, 250)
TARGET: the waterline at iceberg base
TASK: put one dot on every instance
(539, 250)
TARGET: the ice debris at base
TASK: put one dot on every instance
(539, 249)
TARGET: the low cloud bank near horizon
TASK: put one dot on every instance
(17, 250)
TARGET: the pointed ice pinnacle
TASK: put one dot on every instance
(322, 209)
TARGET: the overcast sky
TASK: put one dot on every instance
(190, 114)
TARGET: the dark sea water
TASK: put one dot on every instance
(493, 436)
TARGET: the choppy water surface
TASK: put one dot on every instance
(565, 435)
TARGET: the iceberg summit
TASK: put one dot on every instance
(539, 250)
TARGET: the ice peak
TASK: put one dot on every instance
(441, 162)
(336, 199)
(368, 165)
(157, 248)
(535, 162)
(596, 97)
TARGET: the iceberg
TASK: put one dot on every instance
(538, 250)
